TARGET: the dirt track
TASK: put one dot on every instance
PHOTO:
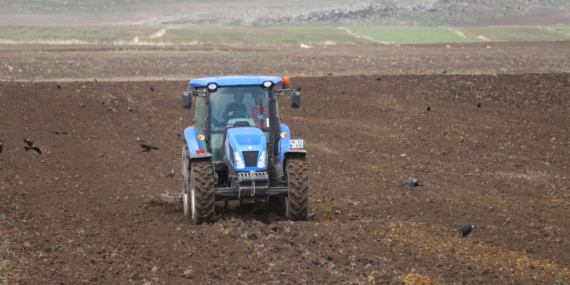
(87, 209)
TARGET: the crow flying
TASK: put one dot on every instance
(32, 146)
(148, 147)
(466, 230)
(411, 183)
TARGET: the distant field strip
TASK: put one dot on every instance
(275, 36)
(427, 35)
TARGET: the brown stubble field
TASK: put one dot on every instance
(87, 209)
(86, 62)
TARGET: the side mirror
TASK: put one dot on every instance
(295, 99)
(186, 100)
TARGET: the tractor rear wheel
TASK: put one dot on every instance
(201, 191)
(185, 175)
(297, 201)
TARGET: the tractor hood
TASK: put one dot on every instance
(246, 148)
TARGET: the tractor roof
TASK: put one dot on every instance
(222, 81)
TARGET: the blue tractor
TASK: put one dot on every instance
(238, 149)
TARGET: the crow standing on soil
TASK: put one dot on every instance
(151, 89)
(444, 72)
(60, 133)
(466, 230)
(0, 146)
(111, 109)
(139, 140)
(130, 109)
(329, 74)
(428, 109)
(171, 174)
(81, 105)
(32, 146)
(478, 105)
(379, 78)
(147, 148)
(411, 183)
(58, 86)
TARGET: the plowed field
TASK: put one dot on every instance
(87, 209)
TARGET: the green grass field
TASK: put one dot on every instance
(266, 36)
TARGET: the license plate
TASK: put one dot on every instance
(296, 143)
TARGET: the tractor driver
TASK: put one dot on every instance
(235, 109)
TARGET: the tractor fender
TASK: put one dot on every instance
(191, 137)
(301, 153)
(284, 143)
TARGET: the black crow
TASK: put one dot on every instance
(444, 72)
(111, 109)
(379, 78)
(429, 109)
(299, 89)
(329, 74)
(81, 105)
(130, 109)
(60, 133)
(466, 230)
(171, 174)
(59, 87)
(148, 147)
(139, 140)
(95, 79)
(179, 134)
(478, 105)
(0, 147)
(411, 183)
(103, 102)
(151, 89)
(32, 146)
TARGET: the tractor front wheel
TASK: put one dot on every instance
(297, 200)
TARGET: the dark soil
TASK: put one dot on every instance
(88, 208)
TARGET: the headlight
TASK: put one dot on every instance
(212, 86)
(238, 161)
(262, 160)
(267, 84)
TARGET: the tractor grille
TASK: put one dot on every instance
(250, 158)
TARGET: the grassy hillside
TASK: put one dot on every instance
(271, 36)
(262, 13)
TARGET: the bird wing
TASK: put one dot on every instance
(37, 149)
(29, 142)
(145, 146)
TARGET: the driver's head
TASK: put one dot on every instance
(238, 97)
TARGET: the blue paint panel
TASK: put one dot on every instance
(192, 141)
(284, 143)
(222, 81)
(241, 139)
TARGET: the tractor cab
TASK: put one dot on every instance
(238, 132)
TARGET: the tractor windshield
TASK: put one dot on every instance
(237, 106)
